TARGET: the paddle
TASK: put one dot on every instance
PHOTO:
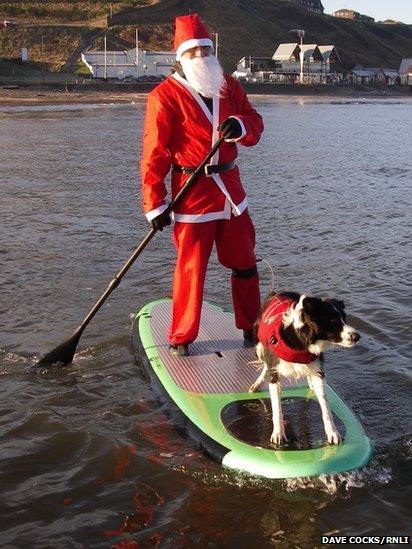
(64, 353)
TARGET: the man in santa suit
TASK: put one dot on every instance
(185, 116)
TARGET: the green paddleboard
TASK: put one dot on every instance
(210, 388)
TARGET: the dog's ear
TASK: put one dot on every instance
(309, 314)
(311, 305)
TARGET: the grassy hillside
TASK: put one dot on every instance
(257, 27)
(50, 10)
(55, 32)
(50, 46)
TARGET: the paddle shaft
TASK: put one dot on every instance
(119, 276)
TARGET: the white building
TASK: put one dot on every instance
(287, 53)
(287, 59)
(252, 68)
(352, 14)
(405, 71)
(132, 63)
(319, 63)
(312, 61)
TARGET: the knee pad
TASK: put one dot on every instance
(245, 273)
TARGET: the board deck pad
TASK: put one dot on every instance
(210, 388)
(218, 362)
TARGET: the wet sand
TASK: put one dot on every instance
(45, 95)
(35, 97)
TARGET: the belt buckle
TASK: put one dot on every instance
(207, 168)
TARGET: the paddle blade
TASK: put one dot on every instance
(61, 355)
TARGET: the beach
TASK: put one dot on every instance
(35, 95)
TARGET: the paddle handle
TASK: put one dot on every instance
(119, 276)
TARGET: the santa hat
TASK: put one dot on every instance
(190, 32)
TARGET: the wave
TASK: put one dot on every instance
(387, 467)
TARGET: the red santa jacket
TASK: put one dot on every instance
(180, 129)
(270, 336)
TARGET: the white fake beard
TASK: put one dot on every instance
(204, 74)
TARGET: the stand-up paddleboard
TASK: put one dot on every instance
(210, 388)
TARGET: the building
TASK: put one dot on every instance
(389, 22)
(312, 60)
(287, 57)
(312, 5)
(405, 71)
(331, 58)
(353, 15)
(387, 77)
(372, 76)
(254, 68)
(360, 75)
(319, 63)
(132, 63)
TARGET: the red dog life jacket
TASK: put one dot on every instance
(269, 332)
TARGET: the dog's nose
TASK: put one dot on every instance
(355, 337)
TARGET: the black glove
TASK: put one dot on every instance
(230, 128)
(160, 221)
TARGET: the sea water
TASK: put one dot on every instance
(89, 457)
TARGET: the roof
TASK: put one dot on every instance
(310, 50)
(327, 51)
(376, 69)
(254, 57)
(391, 73)
(364, 72)
(285, 52)
(155, 52)
(406, 66)
(102, 52)
(370, 72)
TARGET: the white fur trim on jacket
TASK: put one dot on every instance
(212, 216)
(244, 132)
(195, 95)
(184, 46)
(154, 213)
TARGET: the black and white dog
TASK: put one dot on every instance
(292, 333)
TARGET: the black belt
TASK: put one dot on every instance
(210, 169)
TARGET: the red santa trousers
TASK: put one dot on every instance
(235, 243)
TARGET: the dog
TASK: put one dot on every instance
(292, 332)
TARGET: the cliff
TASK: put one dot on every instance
(54, 31)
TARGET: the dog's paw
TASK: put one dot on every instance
(278, 438)
(333, 437)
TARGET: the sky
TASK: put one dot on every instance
(400, 10)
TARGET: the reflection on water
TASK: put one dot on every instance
(89, 455)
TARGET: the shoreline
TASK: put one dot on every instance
(16, 96)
